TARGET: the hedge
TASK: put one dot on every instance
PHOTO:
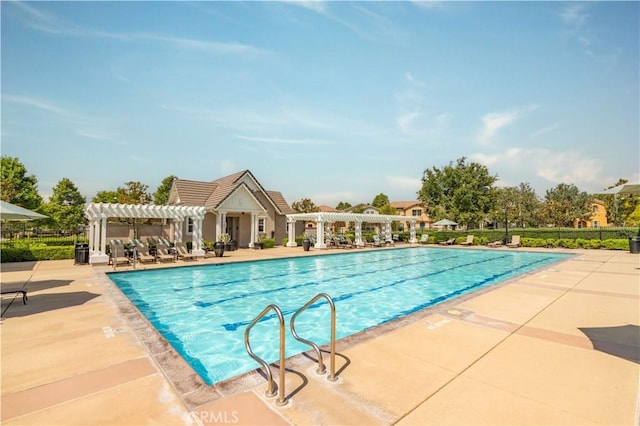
(12, 254)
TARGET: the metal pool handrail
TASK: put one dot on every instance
(321, 368)
(270, 390)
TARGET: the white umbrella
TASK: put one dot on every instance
(625, 188)
(445, 222)
(9, 211)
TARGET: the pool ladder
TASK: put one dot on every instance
(271, 392)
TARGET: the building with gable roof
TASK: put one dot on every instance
(237, 205)
(415, 209)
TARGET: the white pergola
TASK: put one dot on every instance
(98, 213)
(327, 218)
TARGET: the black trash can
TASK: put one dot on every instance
(306, 244)
(81, 254)
(634, 244)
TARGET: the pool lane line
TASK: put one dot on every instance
(309, 271)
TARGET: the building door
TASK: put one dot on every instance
(232, 227)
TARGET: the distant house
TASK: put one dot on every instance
(414, 209)
(237, 205)
(598, 216)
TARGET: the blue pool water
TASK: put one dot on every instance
(203, 311)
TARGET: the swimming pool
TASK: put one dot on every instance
(202, 311)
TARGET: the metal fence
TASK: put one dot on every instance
(23, 234)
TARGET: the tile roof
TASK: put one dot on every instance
(193, 193)
(280, 202)
(405, 204)
(212, 194)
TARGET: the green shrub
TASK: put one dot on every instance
(36, 252)
(616, 244)
(268, 243)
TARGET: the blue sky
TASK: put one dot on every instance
(334, 101)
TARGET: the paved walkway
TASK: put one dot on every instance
(559, 346)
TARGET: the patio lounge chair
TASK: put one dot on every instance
(424, 239)
(449, 242)
(183, 252)
(143, 254)
(469, 241)
(495, 244)
(377, 242)
(163, 253)
(118, 255)
(515, 241)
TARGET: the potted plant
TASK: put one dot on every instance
(219, 246)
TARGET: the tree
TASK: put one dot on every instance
(620, 207)
(462, 192)
(380, 200)
(66, 206)
(342, 205)
(161, 196)
(18, 188)
(522, 204)
(305, 205)
(133, 193)
(565, 203)
(105, 197)
(388, 209)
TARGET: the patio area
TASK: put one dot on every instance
(558, 346)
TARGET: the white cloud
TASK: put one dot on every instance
(553, 166)
(317, 6)
(574, 15)
(50, 24)
(404, 121)
(41, 104)
(493, 122)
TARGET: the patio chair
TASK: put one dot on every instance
(183, 252)
(377, 242)
(163, 253)
(495, 244)
(469, 241)
(424, 239)
(449, 242)
(143, 254)
(118, 253)
(515, 241)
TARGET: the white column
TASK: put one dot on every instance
(412, 232)
(292, 233)
(99, 254)
(219, 223)
(196, 236)
(254, 220)
(103, 236)
(320, 234)
(359, 241)
(91, 241)
(178, 226)
(387, 231)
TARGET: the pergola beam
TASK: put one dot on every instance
(322, 218)
(98, 213)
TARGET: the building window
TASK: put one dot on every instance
(416, 212)
(190, 226)
(261, 222)
(595, 223)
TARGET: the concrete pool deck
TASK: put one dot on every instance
(517, 353)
